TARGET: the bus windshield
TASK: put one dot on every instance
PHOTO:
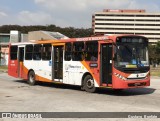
(131, 53)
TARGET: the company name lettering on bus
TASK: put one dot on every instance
(12, 63)
(75, 66)
(91, 38)
(72, 67)
(93, 65)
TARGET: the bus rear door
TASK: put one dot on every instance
(20, 62)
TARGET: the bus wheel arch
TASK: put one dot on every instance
(31, 77)
(88, 83)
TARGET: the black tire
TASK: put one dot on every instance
(89, 84)
(82, 87)
(118, 90)
(31, 78)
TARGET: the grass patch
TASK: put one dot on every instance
(155, 73)
(4, 67)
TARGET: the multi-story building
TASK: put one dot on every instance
(137, 22)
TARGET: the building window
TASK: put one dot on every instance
(37, 52)
(91, 51)
(46, 52)
(78, 51)
(13, 52)
(29, 52)
(4, 38)
(68, 51)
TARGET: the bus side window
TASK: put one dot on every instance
(37, 52)
(91, 51)
(68, 52)
(78, 51)
(28, 52)
(13, 52)
(46, 52)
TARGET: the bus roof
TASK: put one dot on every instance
(95, 38)
(21, 43)
(74, 39)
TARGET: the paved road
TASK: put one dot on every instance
(17, 96)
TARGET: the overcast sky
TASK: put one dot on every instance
(64, 13)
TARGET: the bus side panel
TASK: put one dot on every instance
(42, 70)
(13, 68)
(28, 66)
(24, 71)
(74, 71)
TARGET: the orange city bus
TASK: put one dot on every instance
(113, 61)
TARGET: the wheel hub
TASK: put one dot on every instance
(31, 78)
(90, 83)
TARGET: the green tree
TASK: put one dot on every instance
(68, 31)
(157, 48)
(154, 53)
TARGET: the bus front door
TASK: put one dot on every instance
(20, 62)
(106, 63)
(57, 64)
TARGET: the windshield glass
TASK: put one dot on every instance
(131, 55)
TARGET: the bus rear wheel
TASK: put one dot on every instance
(89, 84)
(31, 78)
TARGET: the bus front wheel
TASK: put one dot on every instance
(89, 84)
(31, 78)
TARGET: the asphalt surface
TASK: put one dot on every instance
(17, 96)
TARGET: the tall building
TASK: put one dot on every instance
(137, 22)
